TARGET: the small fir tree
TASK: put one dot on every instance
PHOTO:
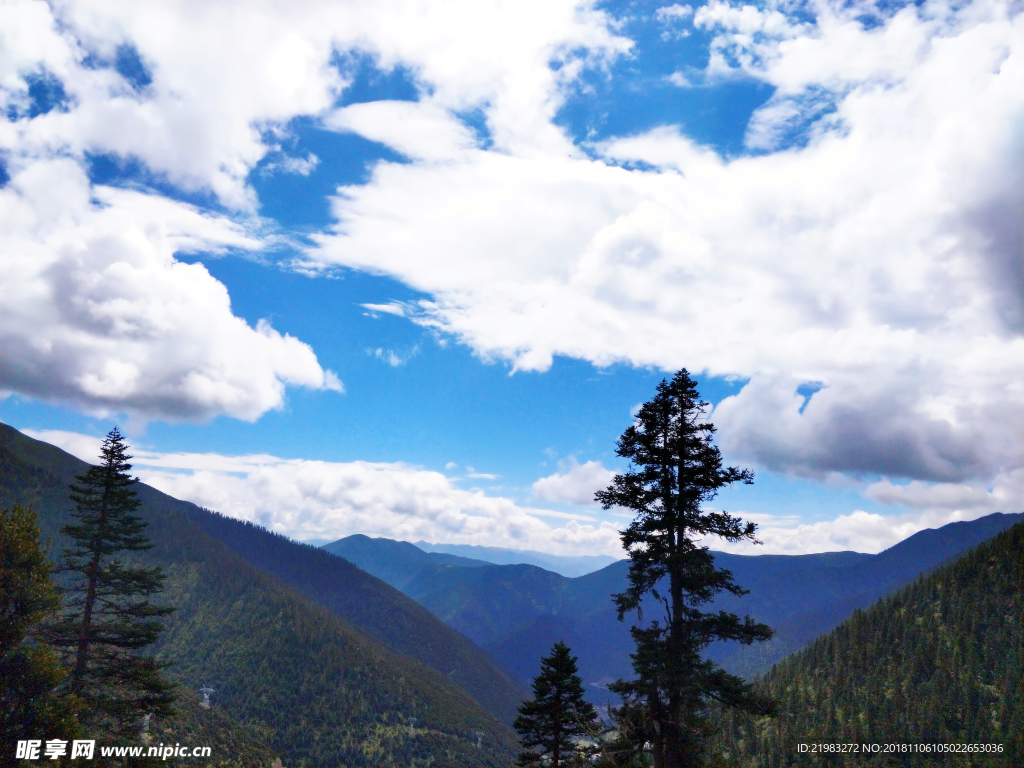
(29, 670)
(557, 713)
(108, 616)
(674, 471)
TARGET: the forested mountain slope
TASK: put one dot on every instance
(365, 601)
(295, 675)
(938, 662)
(349, 592)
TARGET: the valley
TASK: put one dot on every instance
(382, 653)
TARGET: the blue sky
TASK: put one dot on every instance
(405, 270)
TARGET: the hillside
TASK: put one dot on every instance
(516, 612)
(938, 662)
(365, 601)
(286, 670)
(352, 594)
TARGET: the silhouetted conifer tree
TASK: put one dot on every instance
(557, 713)
(674, 471)
(29, 671)
(108, 616)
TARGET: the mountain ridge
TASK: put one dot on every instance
(268, 649)
(515, 612)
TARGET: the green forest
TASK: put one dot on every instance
(308, 667)
(936, 663)
(292, 679)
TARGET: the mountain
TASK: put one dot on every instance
(940, 662)
(396, 562)
(289, 672)
(350, 593)
(802, 597)
(371, 605)
(565, 565)
(516, 612)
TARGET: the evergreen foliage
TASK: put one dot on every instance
(556, 714)
(939, 662)
(674, 470)
(370, 605)
(29, 671)
(107, 616)
(232, 745)
(291, 677)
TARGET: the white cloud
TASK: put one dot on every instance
(881, 256)
(858, 531)
(325, 500)
(675, 11)
(921, 505)
(389, 309)
(107, 319)
(574, 483)
(298, 165)
(419, 130)
(679, 80)
(85, 447)
(100, 314)
(200, 121)
(315, 500)
(1005, 494)
(393, 358)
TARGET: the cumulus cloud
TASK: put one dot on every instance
(201, 118)
(574, 483)
(324, 500)
(874, 247)
(198, 122)
(1005, 494)
(97, 311)
(105, 317)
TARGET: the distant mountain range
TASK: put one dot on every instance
(516, 612)
(311, 658)
(565, 565)
(372, 651)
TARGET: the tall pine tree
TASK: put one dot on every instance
(674, 471)
(557, 713)
(108, 616)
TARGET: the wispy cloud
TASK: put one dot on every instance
(297, 165)
(393, 358)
